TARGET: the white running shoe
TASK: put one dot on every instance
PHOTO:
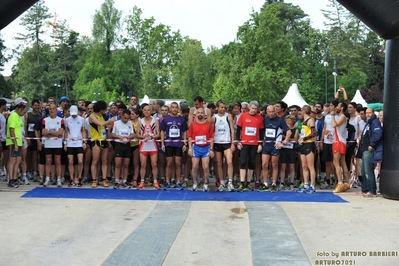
(230, 187)
(195, 186)
(221, 187)
(47, 182)
(59, 183)
(206, 188)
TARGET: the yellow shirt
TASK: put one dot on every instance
(98, 132)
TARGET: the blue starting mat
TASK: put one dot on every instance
(180, 195)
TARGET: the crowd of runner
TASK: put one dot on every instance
(243, 145)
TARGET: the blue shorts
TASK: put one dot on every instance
(201, 151)
(271, 150)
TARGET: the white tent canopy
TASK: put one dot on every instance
(358, 98)
(293, 96)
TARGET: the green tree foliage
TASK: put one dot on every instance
(62, 67)
(3, 58)
(268, 56)
(112, 73)
(5, 88)
(25, 73)
(352, 45)
(274, 48)
(106, 25)
(158, 49)
(30, 74)
(192, 74)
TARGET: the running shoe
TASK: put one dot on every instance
(263, 188)
(310, 190)
(59, 183)
(221, 187)
(291, 187)
(257, 185)
(124, 185)
(324, 185)
(13, 184)
(71, 183)
(156, 186)
(47, 182)
(301, 189)
(195, 187)
(241, 187)
(230, 187)
(249, 187)
(274, 188)
(179, 186)
(104, 183)
(94, 184)
(206, 188)
(116, 185)
(340, 188)
(281, 187)
(166, 187)
(141, 186)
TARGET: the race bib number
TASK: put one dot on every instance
(124, 132)
(174, 132)
(200, 140)
(302, 134)
(73, 139)
(331, 136)
(31, 127)
(250, 131)
(270, 133)
(289, 145)
(221, 129)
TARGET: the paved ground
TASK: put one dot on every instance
(108, 232)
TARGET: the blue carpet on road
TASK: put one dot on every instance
(179, 195)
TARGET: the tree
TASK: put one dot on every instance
(62, 67)
(264, 59)
(31, 70)
(106, 25)
(24, 73)
(5, 88)
(158, 49)
(3, 58)
(192, 74)
(33, 21)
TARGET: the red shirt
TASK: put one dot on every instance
(250, 126)
(200, 134)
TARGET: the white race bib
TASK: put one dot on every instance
(124, 132)
(200, 140)
(289, 145)
(270, 133)
(174, 132)
(31, 127)
(250, 131)
(302, 134)
(221, 128)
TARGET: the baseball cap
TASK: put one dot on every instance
(73, 110)
(64, 98)
(19, 101)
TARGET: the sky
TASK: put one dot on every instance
(213, 22)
